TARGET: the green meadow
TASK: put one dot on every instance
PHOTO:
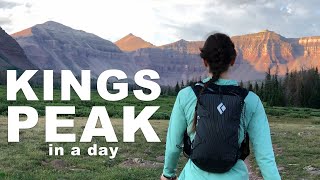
(83, 108)
(295, 133)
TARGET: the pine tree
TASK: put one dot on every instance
(268, 87)
(188, 82)
(256, 87)
(261, 92)
(177, 88)
(241, 84)
(182, 84)
(250, 87)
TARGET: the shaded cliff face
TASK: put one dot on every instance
(12, 55)
(54, 46)
(171, 65)
(174, 66)
(132, 43)
(241, 71)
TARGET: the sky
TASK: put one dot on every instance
(165, 21)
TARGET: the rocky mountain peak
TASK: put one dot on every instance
(54, 26)
(182, 41)
(131, 43)
(130, 35)
(260, 36)
(53, 23)
(55, 46)
(184, 46)
(50, 33)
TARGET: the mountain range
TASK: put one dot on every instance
(55, 46)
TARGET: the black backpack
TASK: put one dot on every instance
(218, 111)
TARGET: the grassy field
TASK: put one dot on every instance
(297, 147)
(29, 159)
(296, 144)
(295, 134)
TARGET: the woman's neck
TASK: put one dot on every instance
(224, 75)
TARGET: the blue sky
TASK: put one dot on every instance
(164, 21)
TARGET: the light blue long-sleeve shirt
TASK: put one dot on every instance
(257, 126)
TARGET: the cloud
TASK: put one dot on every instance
(7, 4)
(290, 18)
(239, 2)
(165, 21)
(5, 21)
(28, 5)
(7, 9)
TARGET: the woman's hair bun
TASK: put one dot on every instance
(218, 51)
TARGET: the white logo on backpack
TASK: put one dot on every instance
(221, 108)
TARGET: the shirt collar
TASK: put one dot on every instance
(221, 81)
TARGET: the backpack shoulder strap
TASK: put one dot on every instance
(243, 92)
(197, 87)
(244, 150)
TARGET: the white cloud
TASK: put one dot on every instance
(4, 20)
(164, 21)
(291, 18)
(7, 4)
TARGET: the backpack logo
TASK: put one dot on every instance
(221, 108)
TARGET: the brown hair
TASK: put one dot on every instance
(218, 51)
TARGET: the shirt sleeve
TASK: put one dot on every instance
(176, 129)
(259, 133)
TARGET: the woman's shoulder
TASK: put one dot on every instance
(252, 97)
(251, 101)
(186, 94)
(186, 91)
